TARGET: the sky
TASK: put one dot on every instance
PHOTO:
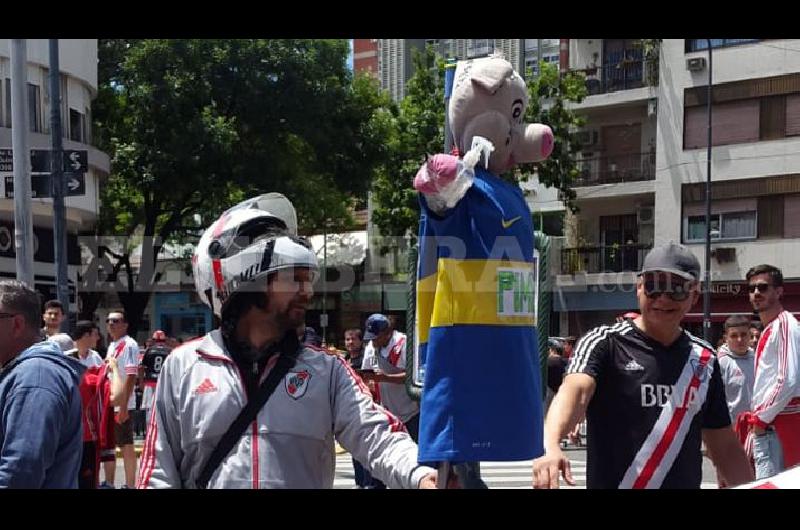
(350, 56)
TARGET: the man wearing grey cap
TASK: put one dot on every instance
(385, 363)
(650, 391)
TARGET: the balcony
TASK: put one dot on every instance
(594, 260)
(621, 75)
(631, 167)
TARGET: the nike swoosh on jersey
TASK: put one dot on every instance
(510, 222)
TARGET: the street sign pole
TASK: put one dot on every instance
(57, 180)
(23, 220)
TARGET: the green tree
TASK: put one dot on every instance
(416, 129)
(194, 125)
(550, 97)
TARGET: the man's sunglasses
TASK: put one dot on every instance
(112, 320)
(760, 287)
(8, 315)
(677, 292)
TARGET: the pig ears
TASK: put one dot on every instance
(490, 75)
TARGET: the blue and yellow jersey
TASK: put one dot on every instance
(476, 328)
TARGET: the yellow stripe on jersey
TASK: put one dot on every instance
(488, 292)
(426, 291)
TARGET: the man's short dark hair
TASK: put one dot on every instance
(555, 344)
(51, 304)
(83, 327)
(736, 321)
(17, 297)
(755, 324)
(121, 312)
(775, 274)
(354, 331)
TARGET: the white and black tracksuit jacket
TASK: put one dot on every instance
(289, 445)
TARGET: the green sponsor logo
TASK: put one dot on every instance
(516, 292)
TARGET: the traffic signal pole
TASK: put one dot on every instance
(57, 180)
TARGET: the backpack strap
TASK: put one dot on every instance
(246, 416)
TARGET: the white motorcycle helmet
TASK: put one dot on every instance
(246, 244)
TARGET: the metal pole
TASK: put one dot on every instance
(324, 317)
(57, 182)
(449, 78)
(23, 220)
(707, 290)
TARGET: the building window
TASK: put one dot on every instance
(693, 45)
(34, 108)
(793, 115)
(551, 223)
(724, 226)
(479, 48)
(769, 117)
(791, 211)
(771, 215)
(773, 118)
(732, 122)
(87, 126)
(77, 126)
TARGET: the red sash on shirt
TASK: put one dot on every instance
(394, 353)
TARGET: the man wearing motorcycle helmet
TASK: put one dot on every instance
(257, 277)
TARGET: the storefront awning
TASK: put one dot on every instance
(731, 298)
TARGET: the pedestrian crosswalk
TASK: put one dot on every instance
(496, 475)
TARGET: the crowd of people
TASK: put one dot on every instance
(260, 402)
(654, 395)
(107, 385)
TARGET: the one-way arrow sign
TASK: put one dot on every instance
(76, 183)
(74, 161)
(41, 185)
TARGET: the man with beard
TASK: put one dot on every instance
(774, 422)
(257, 277)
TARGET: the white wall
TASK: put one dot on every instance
(779, 252)
(675, 166)
(77, 57)
(78, 61)
(735, 63)
(539, 197)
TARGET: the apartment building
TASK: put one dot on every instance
(643, 170)
(78, 75)
(394, 55)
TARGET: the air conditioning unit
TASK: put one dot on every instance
(696, 64)
(586, 138)
(645, 215)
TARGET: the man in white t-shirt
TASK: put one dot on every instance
(126, 351)
(385, 363)
(85, 337)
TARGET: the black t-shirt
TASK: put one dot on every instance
(555, 371)
(355, 362)
(651, 402)
(153, 360)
